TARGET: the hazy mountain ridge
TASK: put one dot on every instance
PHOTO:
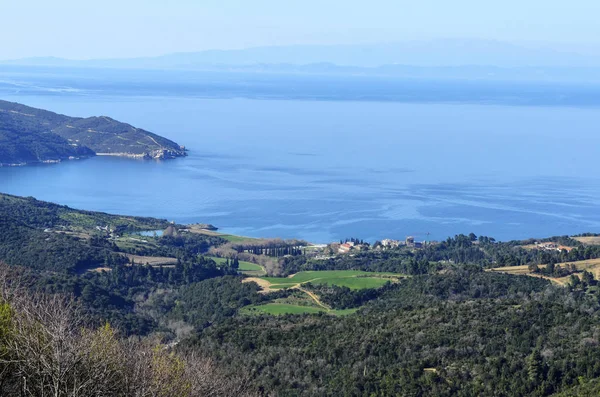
(30, 135)
(433, 53)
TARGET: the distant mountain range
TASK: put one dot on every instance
(434, 53)
(30, 135)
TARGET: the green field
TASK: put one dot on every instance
(356, 282)
(353, 279)
(248, 268)
(304, 301)
(235, 239)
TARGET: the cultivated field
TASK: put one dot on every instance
(353, 279)
(591, 265)
(592, 240)
(229, 237)
(524, 271)
(152, 260)
(247, 268)
(305, 301)
(300, 302)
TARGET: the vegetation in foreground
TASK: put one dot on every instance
(47, 348)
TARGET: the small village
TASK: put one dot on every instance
(551, 247)
(352, 246)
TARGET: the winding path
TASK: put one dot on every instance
(313, 296)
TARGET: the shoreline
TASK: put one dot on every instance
(43, 162)
(135, 156)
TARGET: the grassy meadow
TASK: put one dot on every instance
(353, 279)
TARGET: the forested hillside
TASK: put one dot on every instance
(463, 333)
(30, 135)
(430, 321)
(19, 146)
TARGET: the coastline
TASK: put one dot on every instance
(159, 154)
(127, 155)
(52, 161)
(164, 154)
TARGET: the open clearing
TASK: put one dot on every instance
(305, 301)
(229, 237)
(128, 243)
(524, 271)
(247, 268)
(152, 260)
(265, 285)
(591, 265)
(297, 304)
(353, 279)
(590, 240)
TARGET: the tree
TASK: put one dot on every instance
(535, 366)
(533, 268)
(88, 293)
(588, 278)
(574, 281)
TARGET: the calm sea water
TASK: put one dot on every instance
(265, 162)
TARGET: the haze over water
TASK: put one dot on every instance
(273, 161)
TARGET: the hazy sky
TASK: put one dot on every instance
(128, 28)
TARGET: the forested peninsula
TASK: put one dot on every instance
(29, 135)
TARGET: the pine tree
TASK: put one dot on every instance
(535, 366)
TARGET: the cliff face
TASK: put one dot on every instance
(34, 135)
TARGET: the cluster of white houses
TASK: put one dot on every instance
(552, 247)
(409, 242)
(386, 243)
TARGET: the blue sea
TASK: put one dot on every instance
(323, 158)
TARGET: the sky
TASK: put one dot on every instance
(81, 29)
